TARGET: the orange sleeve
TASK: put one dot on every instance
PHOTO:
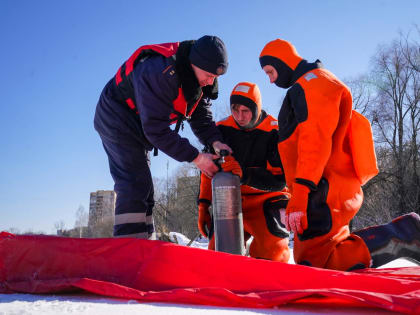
(205, 194)
(315, 134)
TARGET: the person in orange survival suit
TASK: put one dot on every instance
(327, 154)
(252, 135)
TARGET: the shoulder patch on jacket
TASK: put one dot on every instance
(268, 124)
(310, 76)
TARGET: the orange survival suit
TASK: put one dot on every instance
(327, 150)
(263, 185)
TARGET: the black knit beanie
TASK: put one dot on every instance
(209, 54)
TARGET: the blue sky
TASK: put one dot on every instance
(56, 56)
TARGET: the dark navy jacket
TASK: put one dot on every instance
(156, 85)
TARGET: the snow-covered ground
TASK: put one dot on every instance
(25, 304)
(181, 239)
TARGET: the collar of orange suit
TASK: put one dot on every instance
(283, 56)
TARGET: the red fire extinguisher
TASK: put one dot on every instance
(227, 212)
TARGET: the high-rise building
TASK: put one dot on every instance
(102, 205)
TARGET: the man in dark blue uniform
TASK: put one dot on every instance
(157, 86)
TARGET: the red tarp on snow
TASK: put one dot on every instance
(154, 271)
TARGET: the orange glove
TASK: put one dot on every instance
(296, 218)
(204, 219)
(231, 165)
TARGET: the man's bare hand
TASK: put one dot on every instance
(204, 161)
(296, 219)
(296, 222)
(283, 216)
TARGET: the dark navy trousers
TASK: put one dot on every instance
(129, 167)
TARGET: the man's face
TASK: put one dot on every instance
(271, 72)
(241, 114)
(203, 77)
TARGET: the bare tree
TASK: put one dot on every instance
(176, 201)
(103, 228)
(60, 227)
(389, 96)
(397, 117)
(165, 195)
(362, 94)
(81, 221)
(184, 215)
(13, 230)
(32, 232)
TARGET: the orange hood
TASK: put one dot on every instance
(283, 56)
(247, 94)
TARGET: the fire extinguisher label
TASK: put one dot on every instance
(227, 202)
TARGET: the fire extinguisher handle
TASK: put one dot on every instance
(221, 160)
(224, 152)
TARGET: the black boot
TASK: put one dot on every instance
(399, 238)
